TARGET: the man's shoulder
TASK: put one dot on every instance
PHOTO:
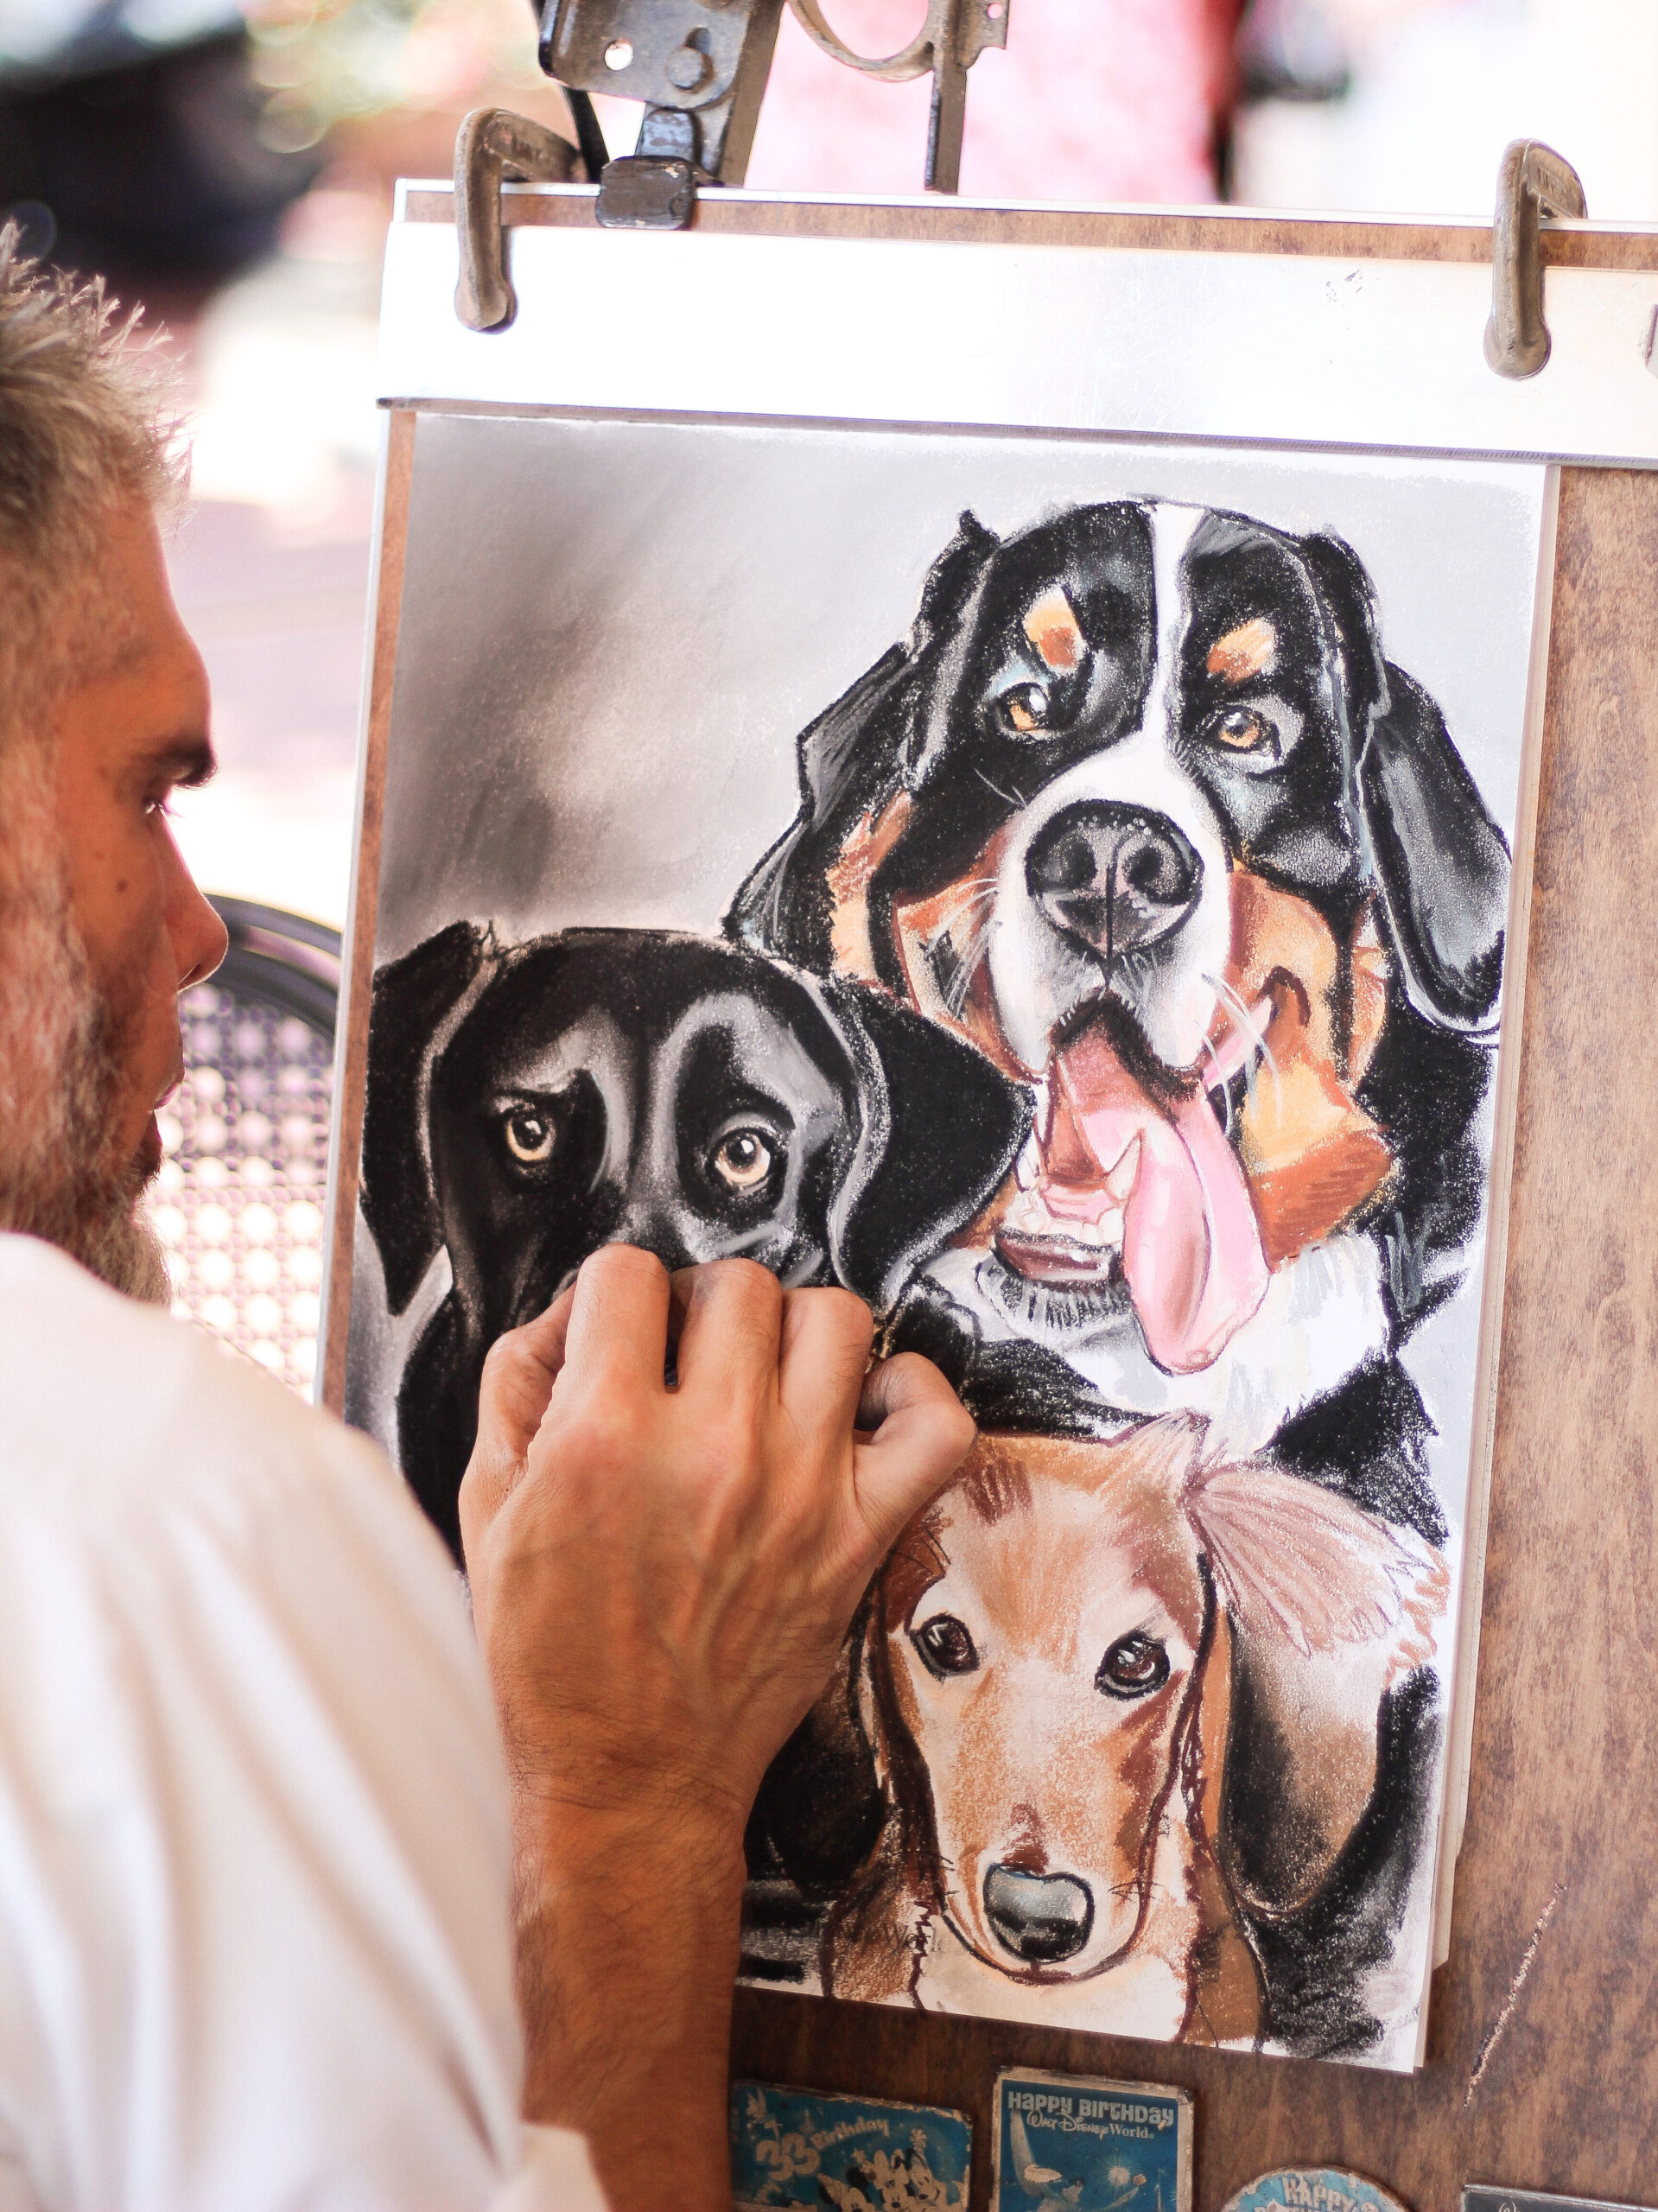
(111, 1405)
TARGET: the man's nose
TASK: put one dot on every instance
(199, 939)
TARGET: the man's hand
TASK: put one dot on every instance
(661, 1579)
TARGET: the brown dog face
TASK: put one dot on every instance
(1047, 1624)
(1048, 1678)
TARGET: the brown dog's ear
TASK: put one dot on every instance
(1296, 1563)
(1329, 1607)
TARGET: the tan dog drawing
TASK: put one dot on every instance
(1044, 1674)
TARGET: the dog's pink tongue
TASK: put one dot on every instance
(1191, 1250)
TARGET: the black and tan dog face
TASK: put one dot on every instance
(526, 1106)
(1142, 809)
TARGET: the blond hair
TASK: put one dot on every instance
(86, 421)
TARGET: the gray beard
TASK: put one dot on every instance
(62, 1045)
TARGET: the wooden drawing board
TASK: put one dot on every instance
(1542, 2064)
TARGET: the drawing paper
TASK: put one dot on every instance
(1061, 890)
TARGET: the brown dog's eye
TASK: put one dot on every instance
(743, 1161)
(1025, 708)
(1133, 1667)
(945, 1646)
(1245, 729)
(529, 1136)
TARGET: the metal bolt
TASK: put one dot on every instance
(687, 68)
(619, 53)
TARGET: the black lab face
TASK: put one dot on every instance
(612, 1086)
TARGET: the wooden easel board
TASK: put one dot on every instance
(1542, 2054)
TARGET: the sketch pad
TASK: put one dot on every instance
(1074, 888)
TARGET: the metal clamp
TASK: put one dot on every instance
(1533, 181)
(699, 65)
(954, 34)
(493, 144)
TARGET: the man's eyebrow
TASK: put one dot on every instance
(184, 762)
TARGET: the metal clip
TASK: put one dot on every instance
(491, 143)
(1533, 180)
(954, 34)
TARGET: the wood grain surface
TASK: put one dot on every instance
(1579, 246)
(1542, 2066)
(1547, 2079)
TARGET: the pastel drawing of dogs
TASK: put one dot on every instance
(528, 1104)
(1142, 809)
(1045, 1673)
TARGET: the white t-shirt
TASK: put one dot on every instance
(255, 1942)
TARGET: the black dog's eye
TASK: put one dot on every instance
(945, 1646)
(1245, 729)
(530, 1135)
(1133, 1667)
(744, 1161)
(1023, 708)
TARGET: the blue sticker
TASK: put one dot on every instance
(1325, 2191)
(791, 2147)
(1064, 2143)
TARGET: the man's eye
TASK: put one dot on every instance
(1133, 1667)
(744, 1161)
(945, 1646)
(529, 1136)
(1023, 708)
(1245, 729)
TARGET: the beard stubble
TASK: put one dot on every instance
(64, 1044)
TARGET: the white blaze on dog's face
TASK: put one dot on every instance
(1136, 793)
(1043, 1672)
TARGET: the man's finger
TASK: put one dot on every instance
(823, 1357)
(617, 1340)
(728, 1340)
(921, 1432)
(512, 1398)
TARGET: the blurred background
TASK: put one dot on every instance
(228, 165)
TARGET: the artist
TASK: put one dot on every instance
(259, 1866)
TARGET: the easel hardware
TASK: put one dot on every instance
(701, 66)
(1533, 181)
(491, 144)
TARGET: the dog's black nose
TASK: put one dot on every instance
(1040, 1918)
(1116, 877)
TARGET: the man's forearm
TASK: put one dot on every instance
(628, 1952)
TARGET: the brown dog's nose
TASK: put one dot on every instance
(1115, 877)
(1040, 1918)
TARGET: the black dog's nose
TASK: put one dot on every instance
(1115, 876)
(1040, 1918)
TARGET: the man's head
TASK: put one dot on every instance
(103, 713)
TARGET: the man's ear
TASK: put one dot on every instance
(853, 760)
(1441, 861)
(412, 1001)
(941, 1128)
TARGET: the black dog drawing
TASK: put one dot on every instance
(1141, 808)
(528, 1104)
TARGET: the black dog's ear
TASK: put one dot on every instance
(942, 1127)
(852, 760)
(411, 998)
(1441, 861)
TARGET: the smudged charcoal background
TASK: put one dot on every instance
(614, 631)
